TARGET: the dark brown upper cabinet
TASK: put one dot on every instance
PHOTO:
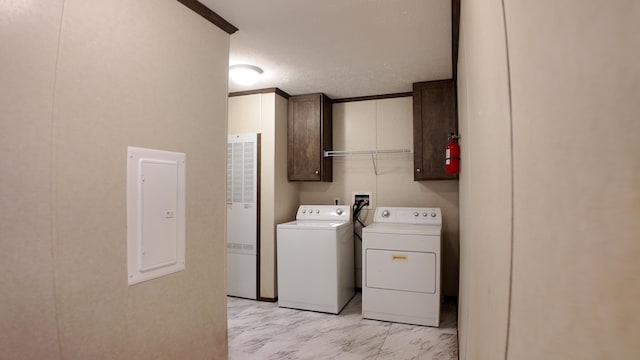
(434, 119)
(310, 133)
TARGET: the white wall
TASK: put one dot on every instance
(571, 219)
(575, 84)
(267, 114)
(28, 44)
(85, 79)
(386, 124)
(485, 182)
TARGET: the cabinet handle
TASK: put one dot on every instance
(418, 169)
(317, 172)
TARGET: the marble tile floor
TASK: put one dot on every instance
(262, 330)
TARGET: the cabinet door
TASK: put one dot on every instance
(434, 118)
(309, 133)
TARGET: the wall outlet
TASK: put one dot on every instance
(367, 197)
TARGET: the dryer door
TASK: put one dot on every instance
(401, 270)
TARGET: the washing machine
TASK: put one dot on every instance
(401, 262)
(315, 259)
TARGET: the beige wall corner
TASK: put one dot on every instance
(125, 75)
(485, 182)
(266, 114)
(29, 38)
(573, 75)
(267, 129)
(287, 194)
(129, 76)
(575, 70)
(245, 114)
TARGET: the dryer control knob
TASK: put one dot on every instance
(424, 214)
(433, 214)
(415, 213)
(385, 213)
(318, 212)
(339, 211)
(304, 211)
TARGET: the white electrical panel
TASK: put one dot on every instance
(155, 213)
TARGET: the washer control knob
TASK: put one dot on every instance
(415, 213)
(433, 214)
(424, 214)
(304, 211)
(318, 212)
(385, 213)
(339, 211)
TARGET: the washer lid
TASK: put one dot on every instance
(404, 229)
(314, 225)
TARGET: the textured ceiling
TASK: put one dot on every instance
(344, 48)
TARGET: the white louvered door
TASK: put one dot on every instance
(242, 215)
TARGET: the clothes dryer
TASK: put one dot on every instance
(401, 262)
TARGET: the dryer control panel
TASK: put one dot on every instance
(408, 215)
(324, 212)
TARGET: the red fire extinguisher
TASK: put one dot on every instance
(452, 155)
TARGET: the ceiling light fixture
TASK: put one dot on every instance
(244, 74)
